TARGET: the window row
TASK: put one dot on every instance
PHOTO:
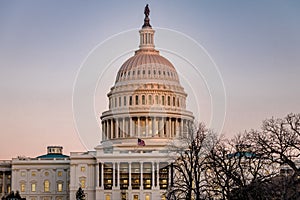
(46, 186)
(46, 173)
(137, 175)
(146, 100)
(143, 73)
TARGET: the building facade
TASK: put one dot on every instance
(5, 177)
(146, 112)
(45, 177)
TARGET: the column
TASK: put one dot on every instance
(139, 127)
(4, 183)
(124, 128)
(102, 175)
(170, 127)
(117, 128)
(163, 127)
(141, 171)
(157, 174)
(118, 180)
(111, 128)
(130, 127)
(167, 127)
(176, 128)
(153, 125)
(114, 175)
(97, 174)
(181, 128)
(153, 175)
(129, 183)
(146, 127)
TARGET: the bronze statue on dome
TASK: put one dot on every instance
(147, 11)
(146, 20)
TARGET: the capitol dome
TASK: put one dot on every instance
(147, 100)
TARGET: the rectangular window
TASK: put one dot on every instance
(59, 173)
(23, 174)
(107, 197)
(33, 187)
(82, 183)
(108, 176)
(119, 101)
(163, 100)
(46, 186)
(22, 187)
(125, 101)
(59, 187)
(82, 169)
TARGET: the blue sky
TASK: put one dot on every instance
(255, 44)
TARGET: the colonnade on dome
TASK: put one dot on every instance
(145, 126)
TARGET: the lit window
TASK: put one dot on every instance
(135, 197)
(22, 187)
(33, 187)
(46, 173)
(46, 186)
(33, 173)
(107, 197)
(59, 173)
(147, 197)
(82, 183)
(59, 187)
(23, 174)
(82, 169)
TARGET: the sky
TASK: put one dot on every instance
(255, 45)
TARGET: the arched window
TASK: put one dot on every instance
(169, 101)
(156, 99)
(130, 100)
(124, 101)
(174, 101)
(143, 100)
(136, 100)
(163, 100)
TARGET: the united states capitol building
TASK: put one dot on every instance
(146, 111)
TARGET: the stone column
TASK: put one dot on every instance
(141, 180)
(118, 172)
(124, 128)
(153, 125)
(181, 128)
(111, 129)
(97, 175)
(153, 176)
(114, 175)
(139, 127)
(129, 183)
(130, 127)
(117, 128)
(146, 127)
(102, 175)
(157, 175)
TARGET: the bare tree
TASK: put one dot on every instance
(237, 171)
(279, 142)
(189, 155)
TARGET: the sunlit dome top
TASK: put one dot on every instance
(147, 63)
